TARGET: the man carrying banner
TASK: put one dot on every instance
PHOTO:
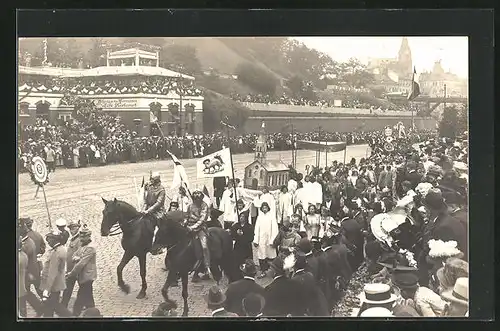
(155, 198)
(197, 217)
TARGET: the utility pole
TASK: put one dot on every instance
(444, 104)
(181, 112)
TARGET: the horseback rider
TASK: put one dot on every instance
(155, 198)
(197, 216)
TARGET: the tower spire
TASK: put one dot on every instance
(261, 145)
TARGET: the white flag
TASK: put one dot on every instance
(217, 164)
(180, 176)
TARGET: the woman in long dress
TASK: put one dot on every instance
(266, 230)
(312, 223)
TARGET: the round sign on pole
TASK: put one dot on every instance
(388, 131)
(39, 170)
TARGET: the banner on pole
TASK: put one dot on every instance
(217, 164)
(323, 146)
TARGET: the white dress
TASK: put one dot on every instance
(266, 230)
(285, 206)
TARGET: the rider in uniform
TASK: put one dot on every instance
(197, 216)
(155, 198)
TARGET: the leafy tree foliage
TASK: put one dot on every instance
(181, 58)
(217, 107)
(257, 78)
(452, 122)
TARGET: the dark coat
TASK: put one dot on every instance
(461, 216)
(284, 297)
(313, 266)
(446, 228)
(237, 291)
(219, 185)
(242, 243)
(316, 304)
(30, 249)
(414, 178)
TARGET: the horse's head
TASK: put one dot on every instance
(171, 231)
(110, 216)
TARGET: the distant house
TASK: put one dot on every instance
(263, 174)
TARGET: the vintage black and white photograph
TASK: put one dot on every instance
(262, 177)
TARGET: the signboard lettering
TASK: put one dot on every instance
(115, 103)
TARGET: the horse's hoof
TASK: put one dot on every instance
(141, 295)
(125, 288)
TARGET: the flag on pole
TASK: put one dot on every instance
(180, 176)
(217, 164)
(415, 88)
(152, 117)
(206, 196)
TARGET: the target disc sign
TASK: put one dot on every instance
(39, 170)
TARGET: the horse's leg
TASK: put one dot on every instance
(142, 267)
(171, 277)
(184, 277)
(127, 256)
(216, 272)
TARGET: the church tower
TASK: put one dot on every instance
(404, 59)
(261, 145)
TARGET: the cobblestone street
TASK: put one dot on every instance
(74, 193)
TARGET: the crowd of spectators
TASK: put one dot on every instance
(348, 101)
(152, 85)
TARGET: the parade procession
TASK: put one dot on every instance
(125, 215)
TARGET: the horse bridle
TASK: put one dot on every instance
(117, 227)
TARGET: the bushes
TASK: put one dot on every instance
(453, 122)
(258, 79)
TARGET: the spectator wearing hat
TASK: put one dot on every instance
(458, 298)
(73, 246)
(447, 275)
(61, 226)
(36, 237)
(377, 295)
(283, 296)
(50, 158)
(242, 233)
(239, 289)
(312, 264)
(216, 301)
(29, 248)
(23, 295)
(85, 271)
(377, 312)
(316, 304)
(253, 304)
(53, 280)
(412, 175)
(441, 226)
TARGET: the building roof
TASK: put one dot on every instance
(47, 71)
(270, 166)
(132, 52)
(127, 71)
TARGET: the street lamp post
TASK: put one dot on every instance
(444, 104)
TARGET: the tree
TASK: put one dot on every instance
(216, 107)
(295, 84)
(354, 73)
(181, 58)
(258, 79)
(96, 56)
(449, 124)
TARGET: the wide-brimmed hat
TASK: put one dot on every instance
(248, 267)
(459, 293)
(377, 312)
(215, 297)
(434, 200)
(155, 175)
(453, 269)
(377, 293)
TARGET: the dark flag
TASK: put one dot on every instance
(415, 88)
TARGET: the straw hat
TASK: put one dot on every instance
(375, 293)
(460, 292)
(377, 312)
(453, 269)
(61, 222)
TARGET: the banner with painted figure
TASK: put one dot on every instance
(217, 164)
(327, 146)
(401, 130)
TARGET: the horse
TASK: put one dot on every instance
(182, 255)
(137, 239)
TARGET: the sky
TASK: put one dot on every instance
(453, 51)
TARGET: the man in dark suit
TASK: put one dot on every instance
(253, 304)
(283, 296)
(219, 185)
(412, 174)
(23, 294)
(238, 290)
(312, 263)
(456, 208)
(330, 205)
(215, 301)
(316, 304)
(441, 226)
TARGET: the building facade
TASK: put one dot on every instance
(433, 83)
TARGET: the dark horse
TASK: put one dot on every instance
(138, 232)
(182, 256)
